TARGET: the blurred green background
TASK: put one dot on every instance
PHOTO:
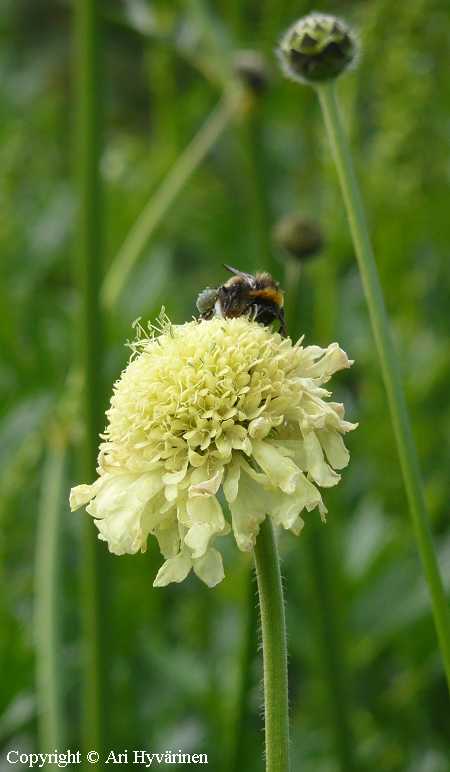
(367, 689)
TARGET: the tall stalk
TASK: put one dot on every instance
(89, 240)
(389, 364)
(49, 673)
(257, 187)
(241, 718)
(160, 202)
(274, 647)
(319, 544)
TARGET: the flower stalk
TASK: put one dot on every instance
(88, 151)
(273, 631)
(159, 203)
(389, 363)
(49, 685)
(320, 548)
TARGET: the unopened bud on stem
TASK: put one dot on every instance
(299, 237)
(317, 48)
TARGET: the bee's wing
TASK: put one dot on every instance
(249, 276)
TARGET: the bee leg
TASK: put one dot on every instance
(282, 319)
(253, 313)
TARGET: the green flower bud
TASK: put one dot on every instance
(251, 69)
(299, 237)
(317, 48)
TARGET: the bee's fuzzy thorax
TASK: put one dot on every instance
(268, 293)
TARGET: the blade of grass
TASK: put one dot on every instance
(49, 673)
(89, 88)
(160, 202)
(389, 365)
(319, 545)
(259, 216)
(238, 755)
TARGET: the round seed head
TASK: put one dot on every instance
(317, 48)
(299, 237)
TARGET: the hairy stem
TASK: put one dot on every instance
(389, 365)
(273, 630)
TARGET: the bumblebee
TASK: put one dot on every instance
(259, 297)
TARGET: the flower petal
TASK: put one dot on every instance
(285, 509)
(81, 495)
(280, 469)
(173, 570)
(198, 538)
(319, 470)
(231, 484)
(209, 568)
(206, 487)
(334, 447)
(168, 538)
(259, 428)
(248, 511)
(206, 509)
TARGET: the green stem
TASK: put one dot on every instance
(319, 545)
(325, 576)
(47, 613)
(160, 202)
(389, 365)
(259, 216)
(273, 629)
(89, 89)
(242, 724)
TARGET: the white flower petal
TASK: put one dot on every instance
(334, 447)
(206, 509)
(230, 486)
(209, 568)
(168, 538)
(120, 508)
(332, 359)
(259, 428)
(173, 570)
(319, 470)
(207, 487)
(248, 511)
(198, 538)
(280, 469)
(173, 478)
(285, 509)
(81, 495)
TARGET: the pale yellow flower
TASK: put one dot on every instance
(207, 412)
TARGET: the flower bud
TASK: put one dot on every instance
(317, 48)
(251, 69)
(299, 237)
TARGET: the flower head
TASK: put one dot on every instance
(211, 412)
(317, 48)
(299, 237)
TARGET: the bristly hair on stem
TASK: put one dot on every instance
(274, 648)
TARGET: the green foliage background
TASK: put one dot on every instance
(176, 658)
